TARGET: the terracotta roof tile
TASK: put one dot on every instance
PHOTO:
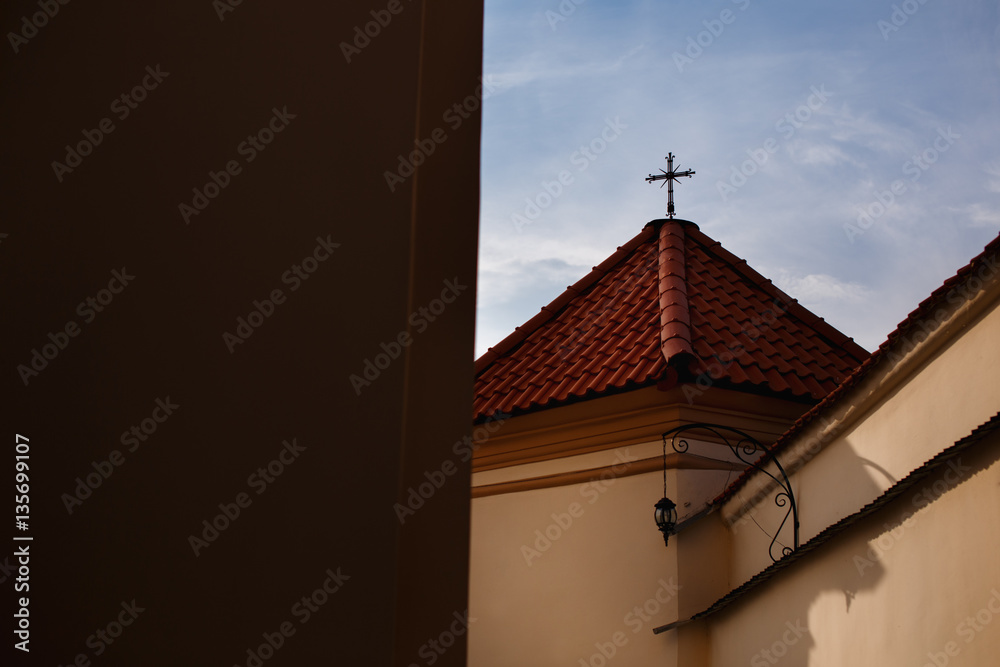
(670, 296)
(580, 387)
(618, 379)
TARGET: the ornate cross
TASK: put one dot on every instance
(669, 176)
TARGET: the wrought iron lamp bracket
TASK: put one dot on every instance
(751, 452)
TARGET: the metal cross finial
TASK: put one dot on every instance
(669, 176)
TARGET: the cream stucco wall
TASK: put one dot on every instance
(912, 406)
(898, 588)
(943, 401)
(578, 571)
(571, 573)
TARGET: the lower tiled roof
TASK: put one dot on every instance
(982, 267)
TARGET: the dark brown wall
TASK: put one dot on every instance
(162, 335)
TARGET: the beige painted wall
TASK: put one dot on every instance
(549, 600)
(949, 397)
(902, 416)
(549, 590)
(898, 589)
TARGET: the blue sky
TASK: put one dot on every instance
(838, 102)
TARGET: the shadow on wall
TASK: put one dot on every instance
(853, 566)
(783, 636)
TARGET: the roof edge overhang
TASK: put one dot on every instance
(629, 468)
(623, 419)
(679, 373)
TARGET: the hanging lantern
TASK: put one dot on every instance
(665, 513)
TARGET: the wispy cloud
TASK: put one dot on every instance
(981, 215)
(993, 172)
(818, 288)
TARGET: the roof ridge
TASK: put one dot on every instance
(552, 309)
(675, 311)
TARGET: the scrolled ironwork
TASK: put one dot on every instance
(751, 452)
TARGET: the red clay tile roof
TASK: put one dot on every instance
(907, 333)
(671, 300)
